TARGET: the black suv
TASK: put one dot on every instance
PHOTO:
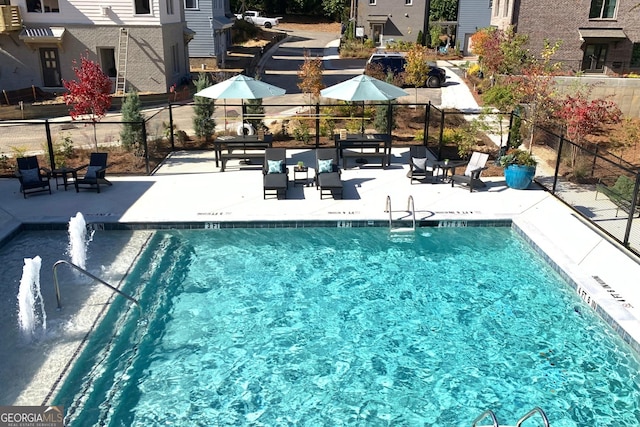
(395, 63)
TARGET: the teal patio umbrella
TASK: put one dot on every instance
(240, 87)
(363, 88)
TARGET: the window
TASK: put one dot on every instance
(169, 7)
(107, 57)
(408, 2)
(372, 2)
(142, 7)
(191, 4)
(43, 6)
(635, 55)
(602, 9)
(174, 59)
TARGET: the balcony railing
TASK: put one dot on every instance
(10, 19)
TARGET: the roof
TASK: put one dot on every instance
(377, 19)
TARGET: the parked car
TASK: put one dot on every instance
(395, 62)
(256, 18)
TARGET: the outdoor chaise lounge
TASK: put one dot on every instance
(33, 178)
(328, 179)
(275, 173)
(95, 173)
(421, 166)
(471, 176)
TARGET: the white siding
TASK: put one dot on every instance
(118, 12)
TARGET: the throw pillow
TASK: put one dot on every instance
(325, 166)
(91, 172)
(420, 164)
(30, 176)
(274, 166)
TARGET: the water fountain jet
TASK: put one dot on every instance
(31, 311)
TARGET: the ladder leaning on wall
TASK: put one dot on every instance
(121, 77)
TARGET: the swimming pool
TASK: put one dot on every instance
(333, 327)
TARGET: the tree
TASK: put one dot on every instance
(416, 70)
(90, 94)
(255, 111)
(535, 89)
(203, 123)
(583, 117)
(381, 120)
(443, 10)
(131, 133)
(310, 75)
(503, 97)
(500, 52)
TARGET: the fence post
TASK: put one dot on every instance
(145, 145)
(555, 174)
(173, 146)
(52, 158)
(634, 202)
(508, 133)
(427, 118)
(317, 124)
(442, 113)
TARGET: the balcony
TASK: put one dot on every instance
(10, 19)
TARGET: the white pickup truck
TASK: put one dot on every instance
(256, 19)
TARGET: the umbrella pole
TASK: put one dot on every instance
(362, 125)
(226, 127)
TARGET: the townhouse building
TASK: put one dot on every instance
(141, 44)
(384, 20)
(597, 36)
(212, 21)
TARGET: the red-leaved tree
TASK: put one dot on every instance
(89, 96)
(583, 117)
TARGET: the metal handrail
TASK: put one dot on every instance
(86, 273)
(531, 413)
(388, 209)
(484, 415)
(412, 208)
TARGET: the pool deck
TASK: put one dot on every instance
(188, 188)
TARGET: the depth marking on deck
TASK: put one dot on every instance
(614, 294)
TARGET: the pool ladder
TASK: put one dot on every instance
(490, 414)
(410, 208)
(86, 273)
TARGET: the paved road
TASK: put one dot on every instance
(282, 65)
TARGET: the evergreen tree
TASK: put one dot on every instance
(381, 121)
(131, 133)
(203, 123)
(255, 110)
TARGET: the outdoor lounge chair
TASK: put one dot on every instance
(275, 173)
(420, 165)
(95, 173)
(328, 179)
(33, 178)
(471, 175)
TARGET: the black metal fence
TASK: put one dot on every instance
(312, 125)
(600, 186)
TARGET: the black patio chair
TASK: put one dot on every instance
(275, 172)
(421, 166)
(32, 177)
(328, 174)
(95, 173)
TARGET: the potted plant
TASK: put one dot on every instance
(300, 165)
(519, 168)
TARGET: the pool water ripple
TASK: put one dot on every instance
(342, 327)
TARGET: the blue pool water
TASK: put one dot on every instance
(332, 327)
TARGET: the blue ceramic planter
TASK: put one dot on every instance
(519, 177)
